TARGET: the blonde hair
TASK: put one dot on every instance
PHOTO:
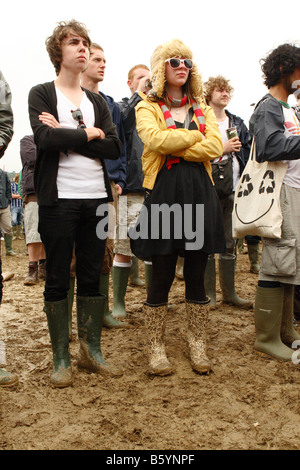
(133, 69)
(174, 48)
(216, 82)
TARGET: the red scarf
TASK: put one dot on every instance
(171, 123)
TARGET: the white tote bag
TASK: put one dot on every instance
(256, 209)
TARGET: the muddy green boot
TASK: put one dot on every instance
(210, 281)
(288, 332)
(134, 279)
(268, 317)
(253, 254)
(8, 245)
(120, 281)
(70, 305)
(90, 321)
(7, 379)
(58, 324)
(108, 320)
(227, 283)
(19, 232)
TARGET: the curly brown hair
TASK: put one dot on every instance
(216, 82)
(54, 42)
(280, 63)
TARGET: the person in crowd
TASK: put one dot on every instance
(74, 133)
(132, 198)
(276, 131)
(7, 379)
(180, 136)
(35, 247)
(218, 93)
(297, 287)
(91, 77)
(5, 215)
(16, 209)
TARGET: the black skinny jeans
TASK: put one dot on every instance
(72, 221)
(163, 273)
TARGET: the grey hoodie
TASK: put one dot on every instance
(6, 115)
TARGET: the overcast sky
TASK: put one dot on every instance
(227, 38)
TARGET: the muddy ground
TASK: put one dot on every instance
(248, 402)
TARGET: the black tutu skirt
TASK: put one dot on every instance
(181, 213)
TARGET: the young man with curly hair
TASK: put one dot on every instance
(276, 131)
(218, 93)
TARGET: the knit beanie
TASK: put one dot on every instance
(174, 48)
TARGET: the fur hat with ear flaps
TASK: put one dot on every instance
(174, 48)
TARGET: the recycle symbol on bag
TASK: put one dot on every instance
(267, 184)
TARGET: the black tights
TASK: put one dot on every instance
(163, 273)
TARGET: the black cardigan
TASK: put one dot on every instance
(50, 142)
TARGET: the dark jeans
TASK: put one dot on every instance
(72, 221)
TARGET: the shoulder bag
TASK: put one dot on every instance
(256, 209)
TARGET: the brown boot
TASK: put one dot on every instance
(42, 270)
(197, 314)
(32, 276)
(155, 320)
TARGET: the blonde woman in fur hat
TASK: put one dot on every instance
(180, 136)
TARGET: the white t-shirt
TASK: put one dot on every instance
(78, 177)
(291, 124)
(223, 126)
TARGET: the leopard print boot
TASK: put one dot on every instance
(197, 314)
(155, 319)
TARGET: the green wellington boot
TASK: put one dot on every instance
(120, 282)
(7, 379)
(288, 333)
(134, 279)
(8, 245)
(90, 321)
(268, 317)
(253, 254)
(210, 281)
(70, 305)
(58, 324)
(108, 320)
(227, 283)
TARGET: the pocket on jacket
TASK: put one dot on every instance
(279, 257)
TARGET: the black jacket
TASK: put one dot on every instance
(267, 126)
(51, 141)
(244, 136)
(5, 190)
(134, 145)
(28, 158)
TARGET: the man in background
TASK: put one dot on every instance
(133, 195)
(35, 247)
(91, 77)
(7, 379)
(218, 93)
